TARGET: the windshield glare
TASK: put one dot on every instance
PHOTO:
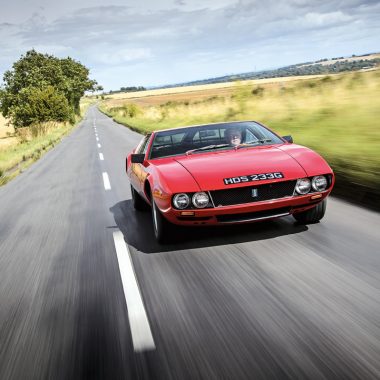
(216, 137)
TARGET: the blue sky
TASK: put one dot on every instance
(149, 43)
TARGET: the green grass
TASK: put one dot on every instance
(338, 116)
(10, 157)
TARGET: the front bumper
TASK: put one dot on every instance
(245, 213)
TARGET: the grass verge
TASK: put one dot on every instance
(17, 157)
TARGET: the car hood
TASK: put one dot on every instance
(209, 169)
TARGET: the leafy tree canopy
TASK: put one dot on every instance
(51, 78)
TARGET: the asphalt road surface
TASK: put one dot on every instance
(270, 300)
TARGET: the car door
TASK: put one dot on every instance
(138, 173)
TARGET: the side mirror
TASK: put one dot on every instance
(289, 139)
(137, 158)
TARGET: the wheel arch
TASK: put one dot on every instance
(148, 190)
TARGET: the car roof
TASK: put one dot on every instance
(205, 125)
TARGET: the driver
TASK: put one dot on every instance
(233, 136)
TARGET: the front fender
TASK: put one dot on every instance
(168, 178)
(311, 162)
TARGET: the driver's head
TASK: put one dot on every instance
(233, 136)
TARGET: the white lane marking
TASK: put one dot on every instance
(106, 180)
(99, 146)
(101, 157)
(97, 139)
(138, 320)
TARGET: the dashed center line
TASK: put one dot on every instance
(138, 320)
(106, 181)
(142, 337)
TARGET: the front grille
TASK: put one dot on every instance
(246, 194)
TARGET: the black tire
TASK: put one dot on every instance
(312, 215)
(161, 227)
(138, 203)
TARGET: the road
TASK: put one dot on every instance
(273, 300)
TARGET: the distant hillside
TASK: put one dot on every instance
(320, 67)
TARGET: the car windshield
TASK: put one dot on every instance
(214, 137)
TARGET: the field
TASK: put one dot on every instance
(338, 116)
(6, 134)
(199, 90)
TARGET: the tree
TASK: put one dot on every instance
(41, 73)
(77, 81)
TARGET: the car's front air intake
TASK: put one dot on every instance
(250, 194)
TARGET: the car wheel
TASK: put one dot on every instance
(138, 203)
(161, 227)
(312, 215)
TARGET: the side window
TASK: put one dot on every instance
(175, 138)
(250, 137)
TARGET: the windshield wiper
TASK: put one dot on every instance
(208, 147)
(262, 141)
(158, 147)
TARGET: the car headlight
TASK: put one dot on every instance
(200, 200)
(181, 201)
(319, 183)
(303, 186)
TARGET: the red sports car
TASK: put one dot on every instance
(226, 173)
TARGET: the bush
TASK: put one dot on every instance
(258, 91)
(133, 110)
(38, 105)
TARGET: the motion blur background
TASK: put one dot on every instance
(268, 300)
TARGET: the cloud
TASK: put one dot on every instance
(124, 55)
(178, 40)
(314, 19)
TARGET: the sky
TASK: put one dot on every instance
(156, 42)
